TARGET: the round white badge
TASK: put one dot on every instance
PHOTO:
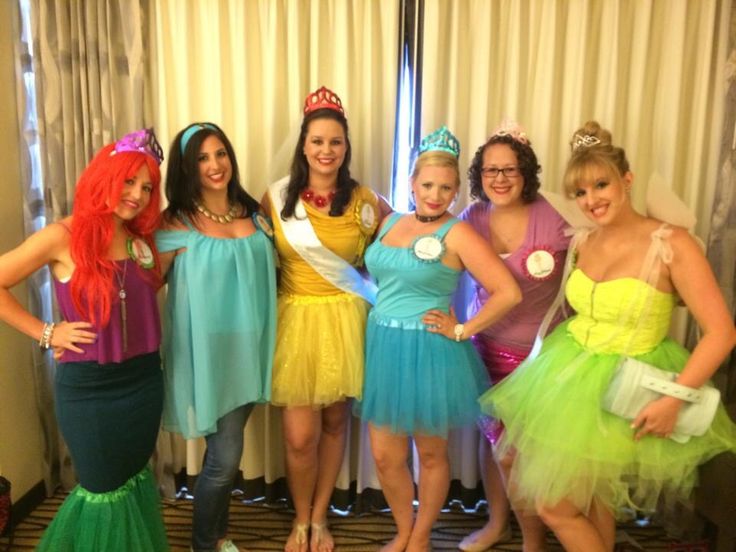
(140, 252)
(540, 264)
(428, 248)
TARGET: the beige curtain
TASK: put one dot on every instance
(722, 242)
(79, 69)
(247, 65)
(651, 71)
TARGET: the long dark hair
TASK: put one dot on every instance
(528, 165)
(183, 186)
(299, 176)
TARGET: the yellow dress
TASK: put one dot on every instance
(321, 328)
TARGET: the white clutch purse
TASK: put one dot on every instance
(637, 383)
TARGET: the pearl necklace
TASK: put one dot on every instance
(222, 219)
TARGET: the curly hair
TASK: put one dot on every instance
(528, 165)
(96, 196)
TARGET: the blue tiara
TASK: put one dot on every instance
(440, 140)
(191, 131)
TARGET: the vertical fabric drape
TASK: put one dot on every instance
(722, 241)
(247, 65)
(80, 85)
(648, 71)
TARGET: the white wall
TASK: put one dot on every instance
(20, 430)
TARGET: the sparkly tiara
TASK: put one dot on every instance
(191, 131)
(584, 141)
(513, 130)
(142, 141)
(323, 98)
(440, 140)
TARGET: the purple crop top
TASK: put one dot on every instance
(144, 328)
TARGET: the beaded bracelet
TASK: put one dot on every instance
(46, 335)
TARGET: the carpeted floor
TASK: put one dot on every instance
(257, 527)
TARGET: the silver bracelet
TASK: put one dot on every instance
(46, 335)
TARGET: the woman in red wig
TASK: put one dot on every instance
(109, 388)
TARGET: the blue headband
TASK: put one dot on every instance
(191, 131)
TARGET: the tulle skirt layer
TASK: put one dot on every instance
(125, 519)
(319, 349)
(417, 381)
(567, 447)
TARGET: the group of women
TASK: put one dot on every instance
(310, 342)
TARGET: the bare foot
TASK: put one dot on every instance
(397, 544)
(484, 538)
(297, 541)
(321, 540)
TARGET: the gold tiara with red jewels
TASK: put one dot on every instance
(323, 98)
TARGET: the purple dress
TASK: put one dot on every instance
(537, 268)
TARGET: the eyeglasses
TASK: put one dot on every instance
(508, 172)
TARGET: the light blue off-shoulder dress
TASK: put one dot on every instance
(219, 327)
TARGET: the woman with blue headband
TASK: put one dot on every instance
(422, 374)
(220, 317)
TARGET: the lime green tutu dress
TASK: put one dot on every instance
(567, 446)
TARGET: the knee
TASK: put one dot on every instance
(335, 420)
(301, 445)
(386, 461)
(505, 462)
(552, 516)
(433, 459)
(221, 467)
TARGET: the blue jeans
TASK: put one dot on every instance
(215, 482)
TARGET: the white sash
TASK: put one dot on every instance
(300, 234)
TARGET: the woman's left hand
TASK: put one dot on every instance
(441, 322)
(657, 418)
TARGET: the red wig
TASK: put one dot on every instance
(97, 194)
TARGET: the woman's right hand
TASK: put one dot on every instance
(67, 334)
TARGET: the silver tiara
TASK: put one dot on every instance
(584, 141)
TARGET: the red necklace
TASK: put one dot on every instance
(316, 199)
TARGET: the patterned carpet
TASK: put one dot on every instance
(255, 526)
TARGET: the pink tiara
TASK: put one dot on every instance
(141, 141)
(513, 130)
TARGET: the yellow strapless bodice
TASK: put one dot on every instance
(625, 315)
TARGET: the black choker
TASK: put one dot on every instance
(428, 218)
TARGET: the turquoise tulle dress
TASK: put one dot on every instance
(415, 381)
(567, 446)
(219, 327)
